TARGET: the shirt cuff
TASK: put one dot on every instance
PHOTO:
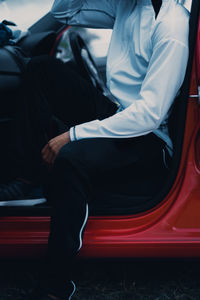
(72, 134)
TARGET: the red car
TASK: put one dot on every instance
(162, 223)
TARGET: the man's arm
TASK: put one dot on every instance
(86, 13)
(163, 80)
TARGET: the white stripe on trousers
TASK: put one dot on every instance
(81, 231)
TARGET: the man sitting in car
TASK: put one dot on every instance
(96, 140)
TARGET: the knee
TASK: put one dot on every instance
(66, 159)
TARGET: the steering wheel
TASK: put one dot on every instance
(85, 62)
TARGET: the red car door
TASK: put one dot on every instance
(170, 229)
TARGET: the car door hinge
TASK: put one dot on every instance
(199, 94)
(196, 96)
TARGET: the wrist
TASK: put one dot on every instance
(67, 137)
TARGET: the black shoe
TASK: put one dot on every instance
(15, 190)
(43, 294)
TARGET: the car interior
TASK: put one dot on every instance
(44, 39)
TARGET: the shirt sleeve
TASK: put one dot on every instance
(86, 13)
(162, 82)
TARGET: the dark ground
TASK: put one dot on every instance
(98, 280)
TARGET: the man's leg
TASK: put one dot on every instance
(73, 179)
(75, 101)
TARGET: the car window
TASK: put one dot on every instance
(97, 41)
(24, 12)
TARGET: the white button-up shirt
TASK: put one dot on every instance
(146, 61)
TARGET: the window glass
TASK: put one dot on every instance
(24, 12)
(97, 41)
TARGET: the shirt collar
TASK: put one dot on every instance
(186, 3)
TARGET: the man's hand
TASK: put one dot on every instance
(51, 150)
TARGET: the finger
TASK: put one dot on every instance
(45, 158)
(50, 153)
(50, 158)
(46, 154)
(54, 153)
(54, 158)
(45, 149)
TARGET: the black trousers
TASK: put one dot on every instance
(86, 169)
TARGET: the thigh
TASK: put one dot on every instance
(109, 159)
(71, 98)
